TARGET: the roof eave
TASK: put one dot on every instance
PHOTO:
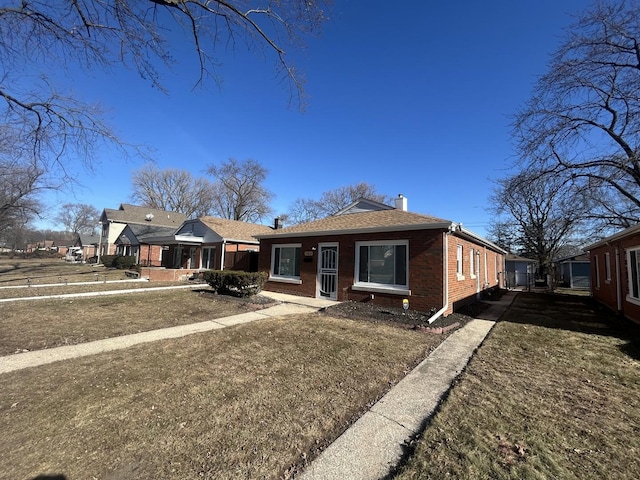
(350, 231)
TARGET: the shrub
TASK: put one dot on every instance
(234, 282)
(124, 262)
(118, 261)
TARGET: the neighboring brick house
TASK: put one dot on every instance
(207, 243)
(87, 245)
(114, 222)
(134, 241)
(378, 253)
(615, 272)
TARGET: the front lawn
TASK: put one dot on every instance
(252, 401)
(554, 392)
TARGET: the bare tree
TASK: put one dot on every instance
(541, 213)
(173, 190)
(78, 218)
(332, 201)
(239, 191)
(583, 121)
(49, 127)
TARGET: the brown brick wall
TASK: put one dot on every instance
(606, 293)
(426, 269)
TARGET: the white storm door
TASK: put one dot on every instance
(328, 271)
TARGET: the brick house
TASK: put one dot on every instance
(134, 241)
(207, 243)
(378, 253)
(114, 222)
(615, 272)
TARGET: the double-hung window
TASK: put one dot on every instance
(607, 267)
(382, 264)
(459, 257)
(472, 263)
(285, 262)
(633, 263)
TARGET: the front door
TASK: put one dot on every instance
(328, 271)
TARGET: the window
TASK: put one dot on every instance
(208, 257)
(472, 264)
(285, 261)
(607, 267)
(633, 260)
(382, 264)
(459, 258)
(597, 268)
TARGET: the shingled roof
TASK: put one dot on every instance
(235, 229)
(143, 215)
(372, 221)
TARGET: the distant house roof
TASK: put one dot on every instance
(363, 205)
(142, 215)
(141, 233)
(581, 257)
(511, 257)
(234, 229)
(88, 239)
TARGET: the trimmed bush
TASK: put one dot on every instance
(118, 261)
(232, 282)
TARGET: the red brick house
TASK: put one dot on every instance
(378, 253)
(207, 243)
(615, 272)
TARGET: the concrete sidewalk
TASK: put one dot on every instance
(374, 445)
(288, 305)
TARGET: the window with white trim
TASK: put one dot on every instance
(607, 267)
(285, 261)
(382, 264)
(472, 263)
(633, 263)
(459, 257)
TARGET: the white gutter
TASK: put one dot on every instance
(445, 290)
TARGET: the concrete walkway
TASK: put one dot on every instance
(374, 445)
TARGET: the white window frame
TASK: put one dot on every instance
(633, 253)
(607, 267)
(381, 287)
(472, 263)
(211, 257)
(284, 278)
(460, 261)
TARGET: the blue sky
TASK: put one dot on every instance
(413, 97)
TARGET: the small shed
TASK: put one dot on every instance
(519, 271)
(574, 272)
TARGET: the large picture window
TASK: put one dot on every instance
(382, 264)
(285, 261)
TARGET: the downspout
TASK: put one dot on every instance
(618, 278)
(223, 250)
(445, 290)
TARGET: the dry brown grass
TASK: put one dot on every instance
(554, 392)
(38, 324)
(16, 271)
(252, 401)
